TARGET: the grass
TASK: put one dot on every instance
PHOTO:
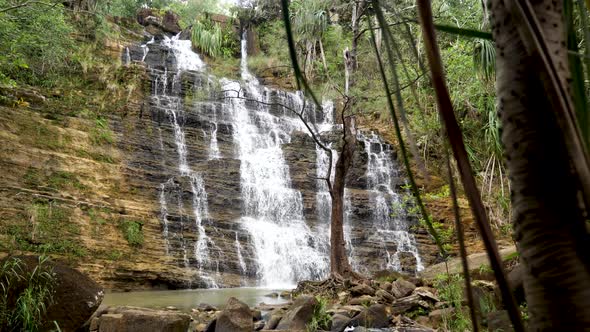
(27, 311)
(56, 180)
(49, 230)
(320, 319)
(450, 289)
(101, 134)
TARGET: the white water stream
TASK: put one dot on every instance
(284, 248)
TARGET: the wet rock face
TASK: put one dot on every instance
(152, 161)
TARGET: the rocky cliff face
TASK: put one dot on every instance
(125, 210)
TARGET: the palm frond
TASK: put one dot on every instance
(484, 59)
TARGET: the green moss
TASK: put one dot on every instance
(133, 232)
(49, 230)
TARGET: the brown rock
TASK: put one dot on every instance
(408, 303)
(499, 321)
(170, 22)
(436, 316)
(274, 320)
(386, 286)
(401, 288)
(235, 317)
(362, 289)
(299, 314)
(376, 316)
(384, 296)
(362, 300)
(75, 296)
(129, 319)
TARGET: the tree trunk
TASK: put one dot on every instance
(339, 264)
(548, 222)
(358, 10)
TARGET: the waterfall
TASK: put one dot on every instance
(127, 56)
(381, 174)
(273, 233)
(285, 247)
(167, 96)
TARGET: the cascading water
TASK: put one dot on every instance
(167, 97)
(390, 225)
(286, 249)
(274, 237)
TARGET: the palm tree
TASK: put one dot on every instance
(549, 222)
(310, 22)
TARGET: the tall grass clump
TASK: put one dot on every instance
(25, 295)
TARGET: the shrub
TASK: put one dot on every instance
(321, 319)
(35, 43)
(133, 232)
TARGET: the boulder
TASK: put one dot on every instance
(427, 293)
(211, 326)
(129, 319)
(75, 296)
(362, 289)
(274, 320)
(362, 300)
(285, 294)
(259, 325)
(375, 316)
(170, 22)
(339, 322)
(384, 296)
(273, 295)
(256, 315)
(235, 317)
(386, 286)
(401, 288)
(146, 16)
(299, 314)
(516, 282)
(499, 321)
(435, 317)
(206, 307)
(408, 303)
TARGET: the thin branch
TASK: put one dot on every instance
(26, 3)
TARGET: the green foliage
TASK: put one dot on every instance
(133, 232)
(56, 180)
(26, 313)
(212, 39)
(485, 269)
(35, 43)
(208, 39)
(101, 134)
(524, 312)
(49, 229)
(450, 289)
(417, 312)
(320, 319)
(96, 221)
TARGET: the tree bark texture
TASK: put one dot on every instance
(548, 223)
(339, 264)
